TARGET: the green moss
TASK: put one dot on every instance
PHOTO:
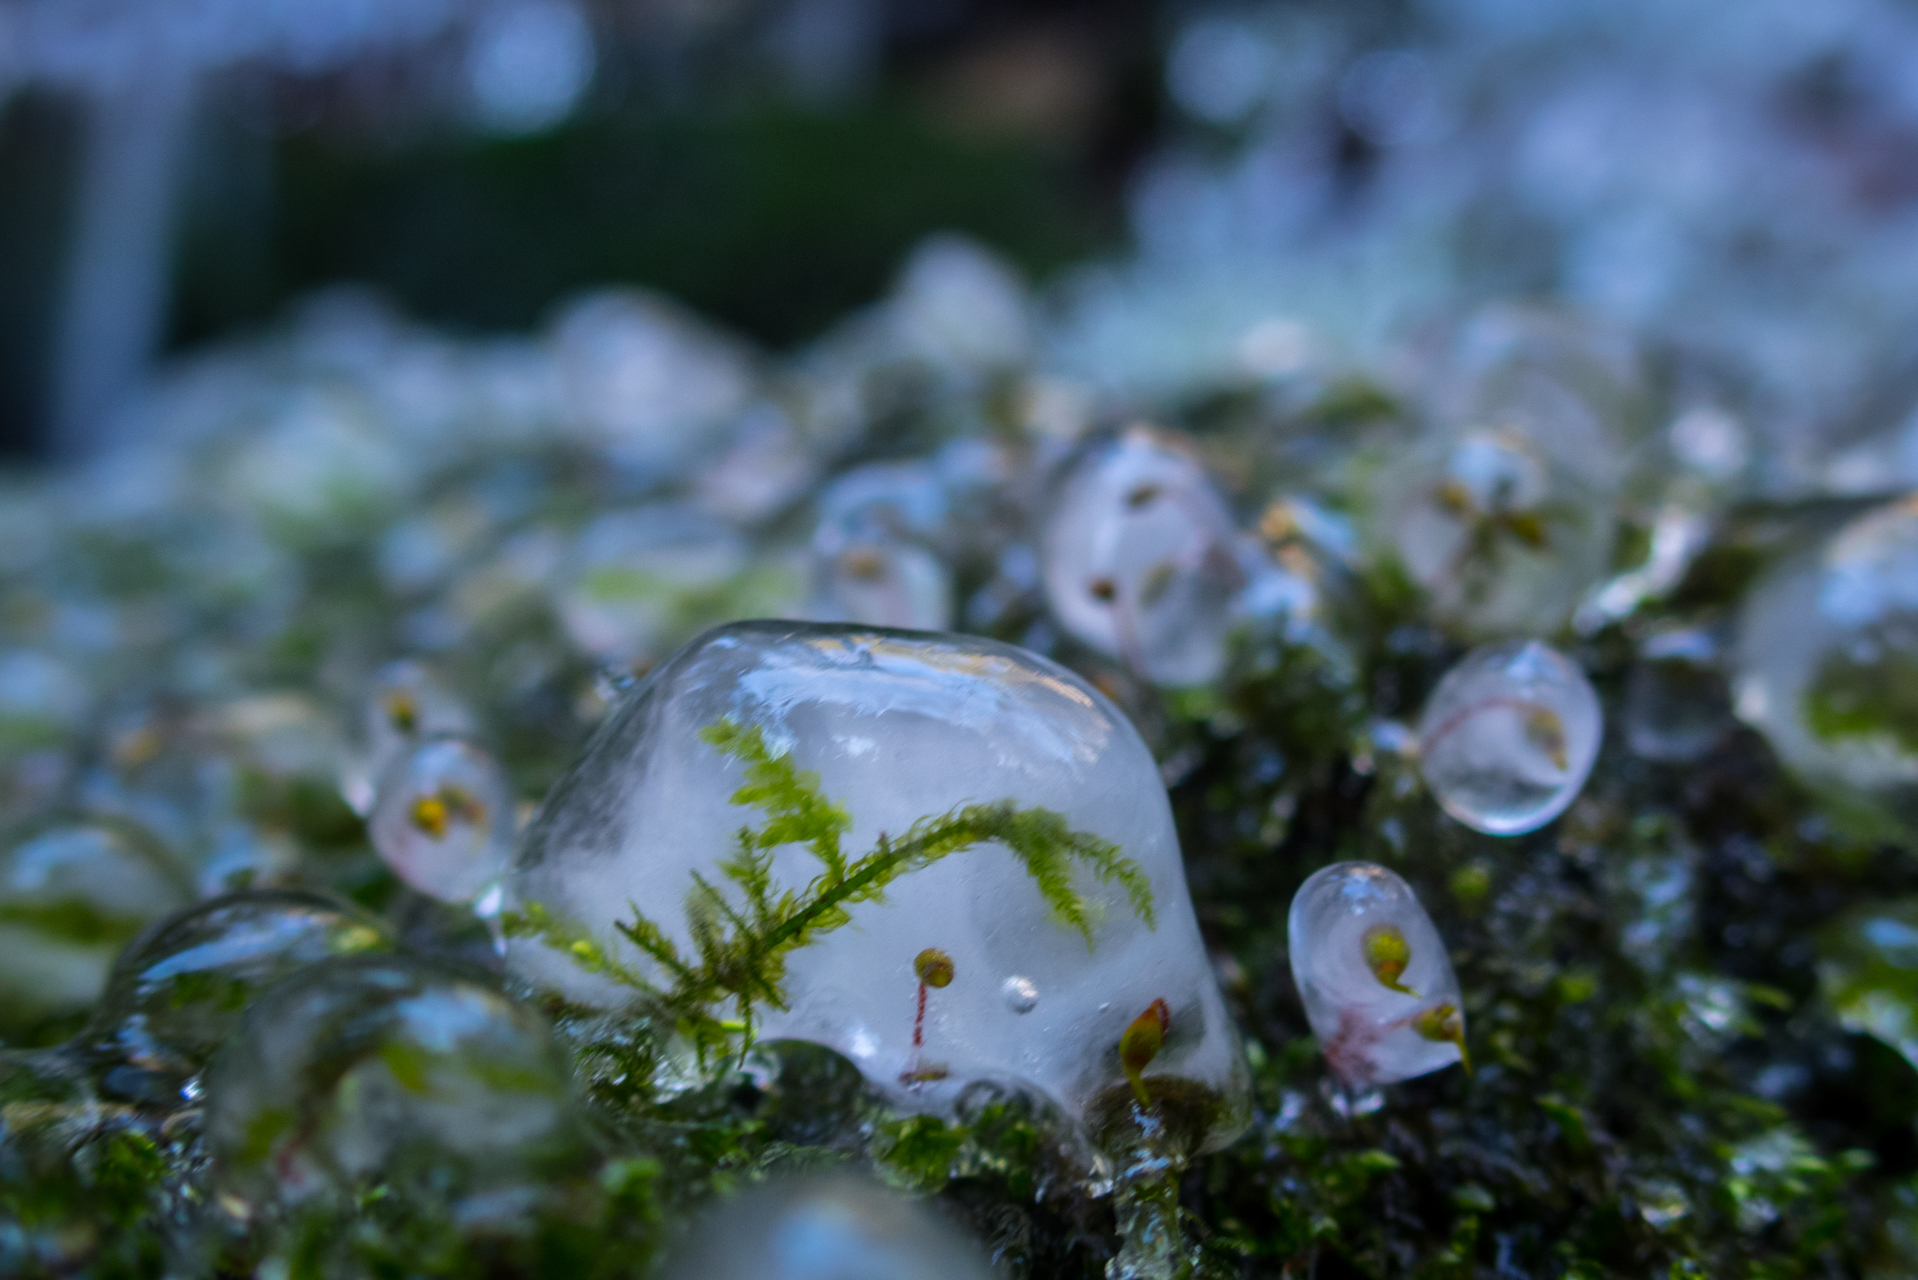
(741, 950)
(1872, 698)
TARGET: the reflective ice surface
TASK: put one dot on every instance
(898, 726)
(1509, 736)
(176, 995)
(1827, 662)
(391, 1067)
(1377, 983)
(71, 896)
(407, 705)
(825, 1228)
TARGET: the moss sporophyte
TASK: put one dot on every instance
(934, 970)
(434, 813)
(740, 944)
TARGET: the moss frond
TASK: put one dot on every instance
(741, 946)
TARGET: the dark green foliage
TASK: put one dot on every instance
(1876, 695)
(742, 949)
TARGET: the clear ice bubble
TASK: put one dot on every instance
(1141, 561)
(876, 548)
(1508, 738)
(390, 1067)
(643, 379)
(71, 896)
(1826, 665)
(1376, 979)
(961, 306)
(1502, 538)
(831, 1227)
(894, 728)
(1021, 994)
(636, 577)
(406, 705)
(177, 993)
(871, 577)
(444, 820)
(1677, 706)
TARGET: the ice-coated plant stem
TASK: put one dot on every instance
(933, 968)
(1140, 1045)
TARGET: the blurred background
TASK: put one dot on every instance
(1738, 186)
(175, 170)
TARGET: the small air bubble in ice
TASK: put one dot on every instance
(1020, 994)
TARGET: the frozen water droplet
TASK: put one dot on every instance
(1502, 538)
(70, 897)
(824, 1228)
(1022, 994)
(1371, 1030)
(646, 381)
(1509, 737)
(407, 705)
(1676, 704)
(877, 580)
(1827, 663)
(444, 820)
(894, 728)
(1141, 561)
(390, 1067)
(635, 577)
(176, 995)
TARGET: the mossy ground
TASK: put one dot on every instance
(1662, 1087)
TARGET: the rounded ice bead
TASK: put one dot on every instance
(1502, 537)
(831, 1227)
(177, 993)
(1508, 738)
(870, 577)
(444, 820)
(407, 705)
(395, 1068)
(636, 577)
(71, 895)
(1140, 559)
(1826, 665)
(1374, 975)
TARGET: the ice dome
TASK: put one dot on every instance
(897, 727)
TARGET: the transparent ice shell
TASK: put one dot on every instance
(177, 993)
(868, 576)
(444, 820)
(1826, 664)
(395, 1067)
(1140, 560)
(876, 549)
(71, 896)
(898, 726)
(632, 574)
(646, 381)
(1508, 738)
(832, 1227)
(1375, 1025)
(1503, 538)
(407, 705)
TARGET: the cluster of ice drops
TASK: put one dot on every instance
(912, 815)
